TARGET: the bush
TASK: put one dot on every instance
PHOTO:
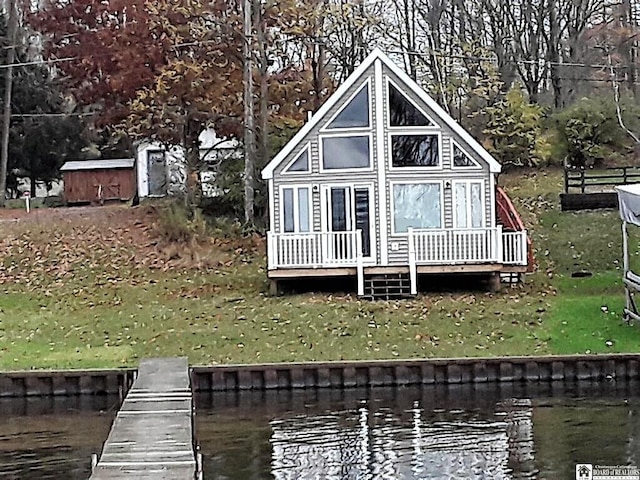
(177, 223)
(589, 134)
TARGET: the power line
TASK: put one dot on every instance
(38, 115)
(539, 61)
(39, 62)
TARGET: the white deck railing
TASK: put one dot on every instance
(427, 247)
(515, 248)
(314, 250)
(467, 245)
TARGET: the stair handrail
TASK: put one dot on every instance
(505, 205)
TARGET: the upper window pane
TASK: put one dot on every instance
(403, 113)
(345, 152)
(476, 205)
(355, 114)
(288, 208)
(461, 159)
(415, 151)
(303, 209)
(301, 164)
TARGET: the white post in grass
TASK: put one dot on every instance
(413, 274)
(27, 198)
(625, 248)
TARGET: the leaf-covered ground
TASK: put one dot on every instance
(97, 287)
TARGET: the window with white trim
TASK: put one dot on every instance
(402, 111)
(421, 150)
(460, 158)
(343, 153)
(296, 209)
(417, 205)
(468, 204)
(301, 163)
(355, 114)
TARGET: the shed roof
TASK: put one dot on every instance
(97, 164)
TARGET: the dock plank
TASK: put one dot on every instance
(152, 435)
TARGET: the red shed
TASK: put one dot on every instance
(96, 181)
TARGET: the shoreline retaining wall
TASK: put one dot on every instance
(622, 367)
(66, 382)
(412, 372)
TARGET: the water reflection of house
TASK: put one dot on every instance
(415, 443)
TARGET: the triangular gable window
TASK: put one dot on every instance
(403, 113)
(300, 164)
(355, 114)
(461, 159)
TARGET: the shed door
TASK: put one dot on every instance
(157, 173)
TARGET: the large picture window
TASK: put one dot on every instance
(295, 209)
(415, 150)
(416, 205)
(345, 152)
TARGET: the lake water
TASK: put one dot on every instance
(54, 437)
(487, 431)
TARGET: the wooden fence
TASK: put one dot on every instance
(586, 188)
(584, 180)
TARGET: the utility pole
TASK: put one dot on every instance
(6, 113)
(249, 118)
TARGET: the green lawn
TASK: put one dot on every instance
(101, 290)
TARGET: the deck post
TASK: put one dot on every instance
(524, 247)
(413, 274)
(359, 264)
(499, 254)
(272, 251)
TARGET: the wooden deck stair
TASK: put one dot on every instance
(388, 286)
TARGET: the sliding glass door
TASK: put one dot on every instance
(348, 208)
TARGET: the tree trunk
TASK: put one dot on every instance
(249, 121)
(554, 55)
(263, 112)
(8, 82)
(193, 167)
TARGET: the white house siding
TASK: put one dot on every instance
(316, 177)
(395, 248)
(398, 248)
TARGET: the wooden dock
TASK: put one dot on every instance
(152, 435)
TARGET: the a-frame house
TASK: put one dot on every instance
(383, 185)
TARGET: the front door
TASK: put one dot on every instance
(157, 173)
(346, 209)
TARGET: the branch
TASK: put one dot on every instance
(616, 96)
